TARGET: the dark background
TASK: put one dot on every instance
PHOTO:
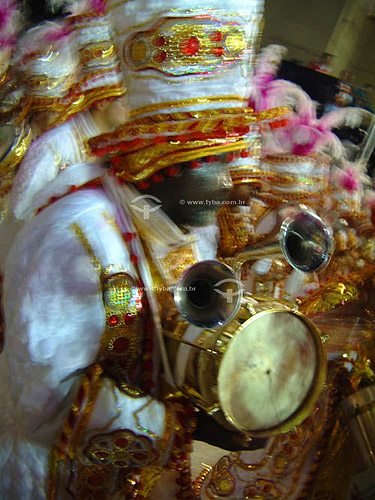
(36, 11)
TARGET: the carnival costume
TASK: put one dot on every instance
(84, 314)
(134, 430)
(198, 132)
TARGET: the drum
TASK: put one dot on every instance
(261, 374)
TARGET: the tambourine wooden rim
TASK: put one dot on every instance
(317, 383)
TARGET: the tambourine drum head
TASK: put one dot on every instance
(7, 137)
(267, 371)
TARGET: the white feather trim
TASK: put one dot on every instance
(346, 117)
(270, 59)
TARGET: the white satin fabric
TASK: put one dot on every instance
(54, 321)
(46, 171)
(53, 152)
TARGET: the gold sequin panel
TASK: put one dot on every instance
(182, 46)
(121, 343)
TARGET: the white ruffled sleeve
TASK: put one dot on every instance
(56, 149)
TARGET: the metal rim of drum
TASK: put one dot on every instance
(307, 405)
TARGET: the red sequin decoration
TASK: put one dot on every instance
(144, 185)
(129, 318)
(113, 320)
(157, 178)
(134, 259)
(116, 161)
(218, 52)
(101, 454)
(172, 171)
(160, 56)
(183, 138)
(216, 36)
(160, 139)
(194, 164)
(128, 236)
(159, 42)
(190, 46)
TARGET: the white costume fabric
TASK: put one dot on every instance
(48, 156)
(46, 161)
(54, 321)
(54, 310)
(53, 301)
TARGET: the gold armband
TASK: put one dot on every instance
(121, 343)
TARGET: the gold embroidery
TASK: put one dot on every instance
(185, 46)
(175, 263)
(130, 390)
(94, 53)
(76, 422)
(122, 449)
(81, 236)
(77, 101)
(94, 482)
(143, 163)
(137, 159)
(183, 122)
(288, 159)
(228, 119)
(187, 114)
(137, 421)
(200, 480)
